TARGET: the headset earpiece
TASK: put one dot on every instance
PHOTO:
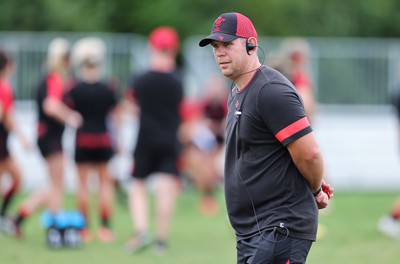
(249, 47)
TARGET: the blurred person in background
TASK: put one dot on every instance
(158, 94)
(53, 115)
(389, 224)
(272, 160)
(83, 49)
(8, 165)
(274, 59)
(295, 66)
(96, 102)
(202, 136)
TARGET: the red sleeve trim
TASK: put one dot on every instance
(292, 129)
(54, 87)
(6, 96)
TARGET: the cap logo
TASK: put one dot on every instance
(218, 23)
(221, 38)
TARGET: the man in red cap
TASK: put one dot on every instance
(158, 94)
(273, 166)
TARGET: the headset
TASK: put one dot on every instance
(249, 46)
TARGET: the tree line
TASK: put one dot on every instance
(337, 18)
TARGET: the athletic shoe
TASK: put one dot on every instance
(138, 242)
(160, 246)
(10, 227)
(86, 235)
(105, 235)
(389, 227)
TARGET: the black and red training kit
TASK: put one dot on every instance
(263, 118)
(95, 102)
(49, 130)
(159, 96)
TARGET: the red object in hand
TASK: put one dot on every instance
(326, 188)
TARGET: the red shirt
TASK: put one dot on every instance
(6, 96)
(55, 86)
(301, 81)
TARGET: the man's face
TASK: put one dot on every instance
(231, 57)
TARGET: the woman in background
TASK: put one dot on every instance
(53, 115)
(202, 136)
(7, 125)
(296, 53)
(96, 102)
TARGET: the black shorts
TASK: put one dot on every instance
(50, 145)
(272, 247)
(93, 147)
(92, 155)
(152, 160)
(4, 153)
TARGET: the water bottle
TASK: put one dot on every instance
(47, 219)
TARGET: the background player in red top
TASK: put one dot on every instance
(295, 66)
(7, 124)
(158, 93)
(52, 117)
(202, 135)
(96, 102)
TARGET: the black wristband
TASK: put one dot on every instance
(318, 191)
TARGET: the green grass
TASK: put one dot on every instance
(351, 231)
(350, 237)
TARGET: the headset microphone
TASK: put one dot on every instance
(249, 47)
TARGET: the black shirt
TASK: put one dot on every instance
(50, 86)
(262, 119)
(93, 101)
(159, 96)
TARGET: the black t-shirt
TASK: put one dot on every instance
(159, 96)
(50, 86)
(93, 101)
(259, 170)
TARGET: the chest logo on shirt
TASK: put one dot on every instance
(237, 112)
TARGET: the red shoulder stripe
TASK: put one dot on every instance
(292, 129)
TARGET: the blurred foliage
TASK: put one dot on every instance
(372, 18)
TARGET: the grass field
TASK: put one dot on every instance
(348, 235)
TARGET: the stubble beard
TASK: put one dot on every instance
(228, 73)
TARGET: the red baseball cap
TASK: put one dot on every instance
(164, 38)
(228, 27)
